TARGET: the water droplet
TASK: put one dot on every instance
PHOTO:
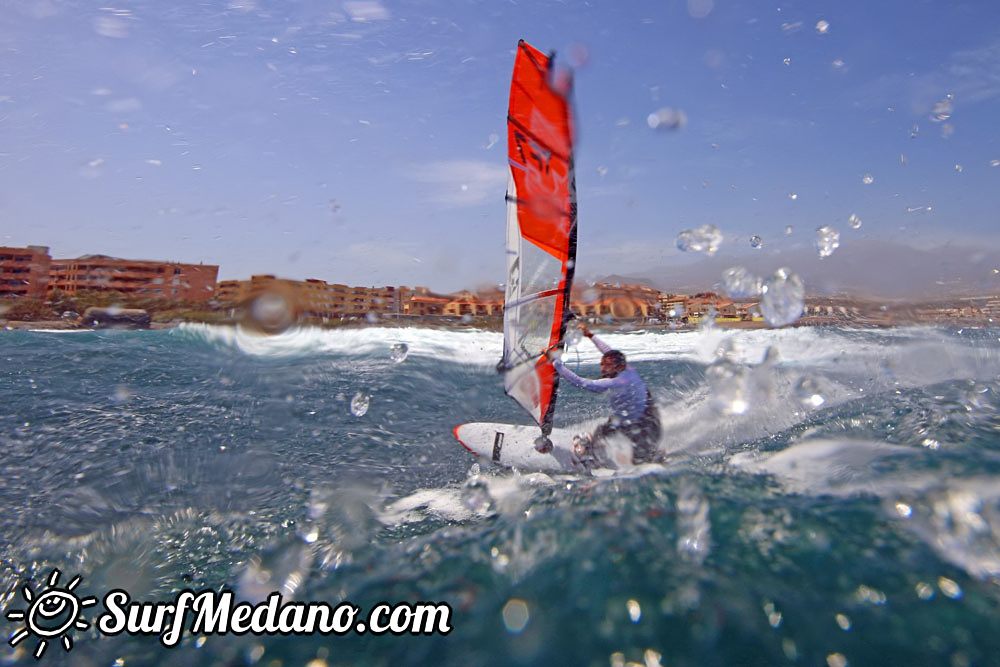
(694, 527)
(942, 110)
(515, 615)
(947, 130)
(959, 168)
(854, 221)
(730, 387)
(793, 196)
(634, 610)
(788, 230)
(739, 283)
(827, 240)
(121, 394)
(949, 588)
(809, 393)
(398, 352)
(787, 61)
(706, 239)
(822, 27)
(271, 312)
(924, 590)
(372, 318)
(995, 163)
(756, 241)
(476, 496)
(602, 171)
(843, 622)
(867, 179)
(573, 336)
(838, 64)
(666, 119)
(782, 298)
(914, 131)
(359, 404)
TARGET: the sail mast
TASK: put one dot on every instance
(541, 229)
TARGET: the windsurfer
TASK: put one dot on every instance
(634, 412)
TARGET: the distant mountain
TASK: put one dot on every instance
(878, 269)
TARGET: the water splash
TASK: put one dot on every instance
(782, 298)
(728, 382)
(809, 393)
(476, 496)
(694, 541)
(827, 240)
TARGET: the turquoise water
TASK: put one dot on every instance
(835, 501)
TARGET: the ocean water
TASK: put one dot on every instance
(832, 497)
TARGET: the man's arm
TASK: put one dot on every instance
(596, 386)
(601, 345)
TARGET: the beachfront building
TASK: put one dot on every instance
(318, 300)
(424, 305)
(618, 301)
(24, 272)
(134, 277)
(466, 303)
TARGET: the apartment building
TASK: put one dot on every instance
(621, 301)
(318, 300)
(167, 280)
(24, 272)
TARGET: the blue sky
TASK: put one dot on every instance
(364, 142)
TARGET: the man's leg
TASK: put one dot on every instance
(646, 437)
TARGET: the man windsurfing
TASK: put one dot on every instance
(633, 410)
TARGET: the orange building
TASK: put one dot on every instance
(134, 277)
(24, 272)
(318, 300)
(478, 305)
(621, 301)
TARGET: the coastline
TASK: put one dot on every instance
(496, 324)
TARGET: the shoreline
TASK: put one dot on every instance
(497, 325)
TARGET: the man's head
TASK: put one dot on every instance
(612, 363)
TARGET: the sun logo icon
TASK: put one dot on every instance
(50, 614)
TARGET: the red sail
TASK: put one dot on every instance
(541, 228)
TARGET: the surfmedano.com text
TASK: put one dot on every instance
(212, 612)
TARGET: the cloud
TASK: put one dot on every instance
(386, 255)
(363, 11)
(623, 256)
(459, 183)
(976, 73)
(128, 105)
(971, 75)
